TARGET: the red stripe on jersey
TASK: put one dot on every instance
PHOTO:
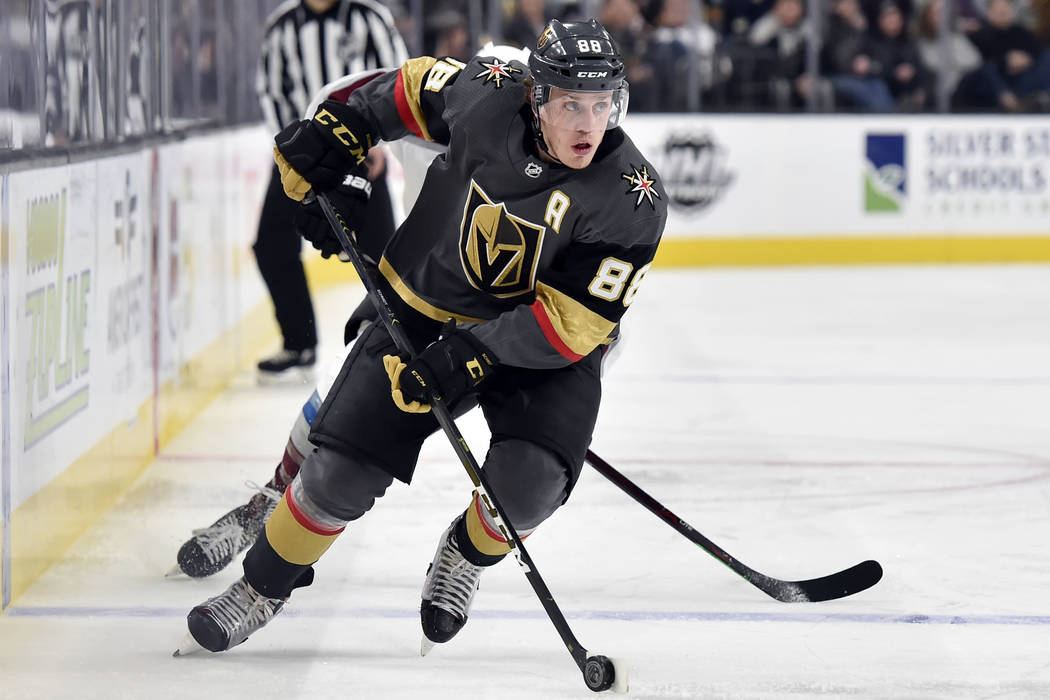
(540, 312)
(306, 521)
(403, 110)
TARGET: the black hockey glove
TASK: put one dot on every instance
(318, 153)
(349, 199)
(449, 367)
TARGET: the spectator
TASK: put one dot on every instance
(778, 40)
(1042, 22)
(1016, 71)
(624, 21)
(137, 77)
(739, 15)
(958, 65)
(873, 9)
(847, 58)
(898, 59)
(968, 15)
(681, 42)
(450, 35)
(526, 23)
(73, 108)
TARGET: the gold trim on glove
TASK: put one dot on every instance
(294, 184)
(394, 366)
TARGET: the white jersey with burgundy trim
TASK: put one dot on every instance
(539, 260)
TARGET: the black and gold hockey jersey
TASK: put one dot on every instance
(539, 260)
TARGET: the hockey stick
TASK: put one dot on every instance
(599, 672)
(837, 585)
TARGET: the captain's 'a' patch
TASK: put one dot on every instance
(496, 71)
(639, 181)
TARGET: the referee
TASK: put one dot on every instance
(309, 43)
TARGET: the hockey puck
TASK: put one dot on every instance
(599, 673)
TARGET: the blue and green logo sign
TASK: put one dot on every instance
(885, 173)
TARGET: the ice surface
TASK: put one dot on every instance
(804, 419)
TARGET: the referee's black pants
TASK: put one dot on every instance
(277, 248)
(277, 252)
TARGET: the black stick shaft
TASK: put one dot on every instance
(459, 444)
(663, 512)
(837, 585)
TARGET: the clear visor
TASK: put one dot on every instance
(582, 111)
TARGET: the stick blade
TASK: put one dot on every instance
(841, 584)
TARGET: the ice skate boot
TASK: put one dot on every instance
(228, 619)
(212, 548)
(447, 592)
(288, 365)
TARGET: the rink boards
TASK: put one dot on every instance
(130, 295)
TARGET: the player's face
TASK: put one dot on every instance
(574, 124)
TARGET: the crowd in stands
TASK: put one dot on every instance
(92, 72)
(874, 56)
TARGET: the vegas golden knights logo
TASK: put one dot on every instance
(548, 32)
(500, 251)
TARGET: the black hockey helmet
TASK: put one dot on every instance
(578, 57)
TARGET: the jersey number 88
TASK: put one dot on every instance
(612, 276)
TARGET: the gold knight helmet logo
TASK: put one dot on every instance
(548, 32)
(499, 251)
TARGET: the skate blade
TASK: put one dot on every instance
(425, 646)
(175, 572)
(292, 376)
(188, 646)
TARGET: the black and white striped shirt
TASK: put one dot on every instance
(302, 51)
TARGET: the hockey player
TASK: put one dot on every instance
(526, 246)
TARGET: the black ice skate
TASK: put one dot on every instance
(292, 364)
(228, 619)
(211, 549)
(447, 593)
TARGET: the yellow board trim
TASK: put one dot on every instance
(770, 250)
(842, 250)
(48, 522)
(322, 273)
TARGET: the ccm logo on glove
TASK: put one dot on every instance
(447, 369)
(343, 133)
